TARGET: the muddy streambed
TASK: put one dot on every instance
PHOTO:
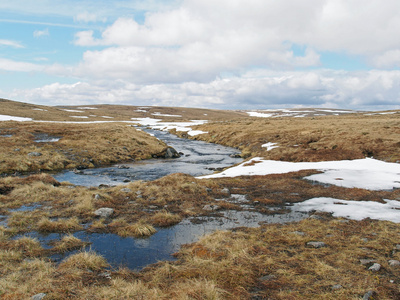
(197, 158)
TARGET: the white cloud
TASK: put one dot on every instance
(10, 43)
(10, 65)
(87, 17)
(41, 33)
(372, 90)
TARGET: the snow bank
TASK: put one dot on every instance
(12, 118)
(355, 210)
(364, 173)
(165, 126)
(269, 146)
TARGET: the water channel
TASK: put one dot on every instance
(199, 158)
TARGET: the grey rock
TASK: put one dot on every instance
(210, 207)
(394, 263)
(126, 190)
(299, 233)
(171, 153)
(369, 295)
(225, 191)
(38, 296)
(337, 287)
(97, 197)
(123, 167)
(35, 154)
(366, 261)
(104, 212)
(267, 277)
(398, 247)
(375, 267)
(317, 244)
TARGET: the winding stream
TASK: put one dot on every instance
(199, 158)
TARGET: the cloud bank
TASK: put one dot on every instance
(235, 54)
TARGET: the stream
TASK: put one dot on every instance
(199, 158)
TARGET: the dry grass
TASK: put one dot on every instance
(80, 146)
(84, 261)
(311, 138)
(164, 219)
(67, 243)
(63, 225)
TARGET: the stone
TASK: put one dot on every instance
(38, 296)
(366, 261)
(375, 267)
(316, 217)
(267, 278)
(317, 244)
(394, 263)
(123, 167)
(210, 207)
(225, 191)
(370, 295)
(104, 212)
(35, 154)
(97, 197)
(171, 153)
(337, 287)
(126, 190)
(299, 233)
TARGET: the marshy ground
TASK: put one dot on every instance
(273, 261)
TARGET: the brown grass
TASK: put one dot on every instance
(63, 225)
(311, 138)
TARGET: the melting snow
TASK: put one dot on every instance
(269, 146)
(165, 115)
(73, 110)
(79, 117)
(356, 210)
(12, 118)
(367, 173)
(179, 126)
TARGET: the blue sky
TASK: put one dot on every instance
(228, 54)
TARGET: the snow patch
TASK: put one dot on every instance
(165, 115)
(367, 173)
(269, 146)
(79, 117)
(166, 126)
(12, 118)
(355, 210)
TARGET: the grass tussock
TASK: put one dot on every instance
(67, 243)
(164, 219)
(85, 261)
(64, 225)
(140, 229)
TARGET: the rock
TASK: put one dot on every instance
(104, 212)
(35, 154)
(225, 191)
(235, 155)
(171, 153)
(394, 263)
(38, 296)
(126, 190)
(375, 267)
(299, 233)
(370, 295)
(267, 277)
(123, 167)
(366, 261)
(210, 207)
(337, 287)
(97, 197)
(317, 244)
(398, 247)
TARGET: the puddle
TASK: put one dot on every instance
(199, 158)
(45, 138)
(136, 253)
(27, 207)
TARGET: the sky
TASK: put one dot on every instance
(225, 54)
